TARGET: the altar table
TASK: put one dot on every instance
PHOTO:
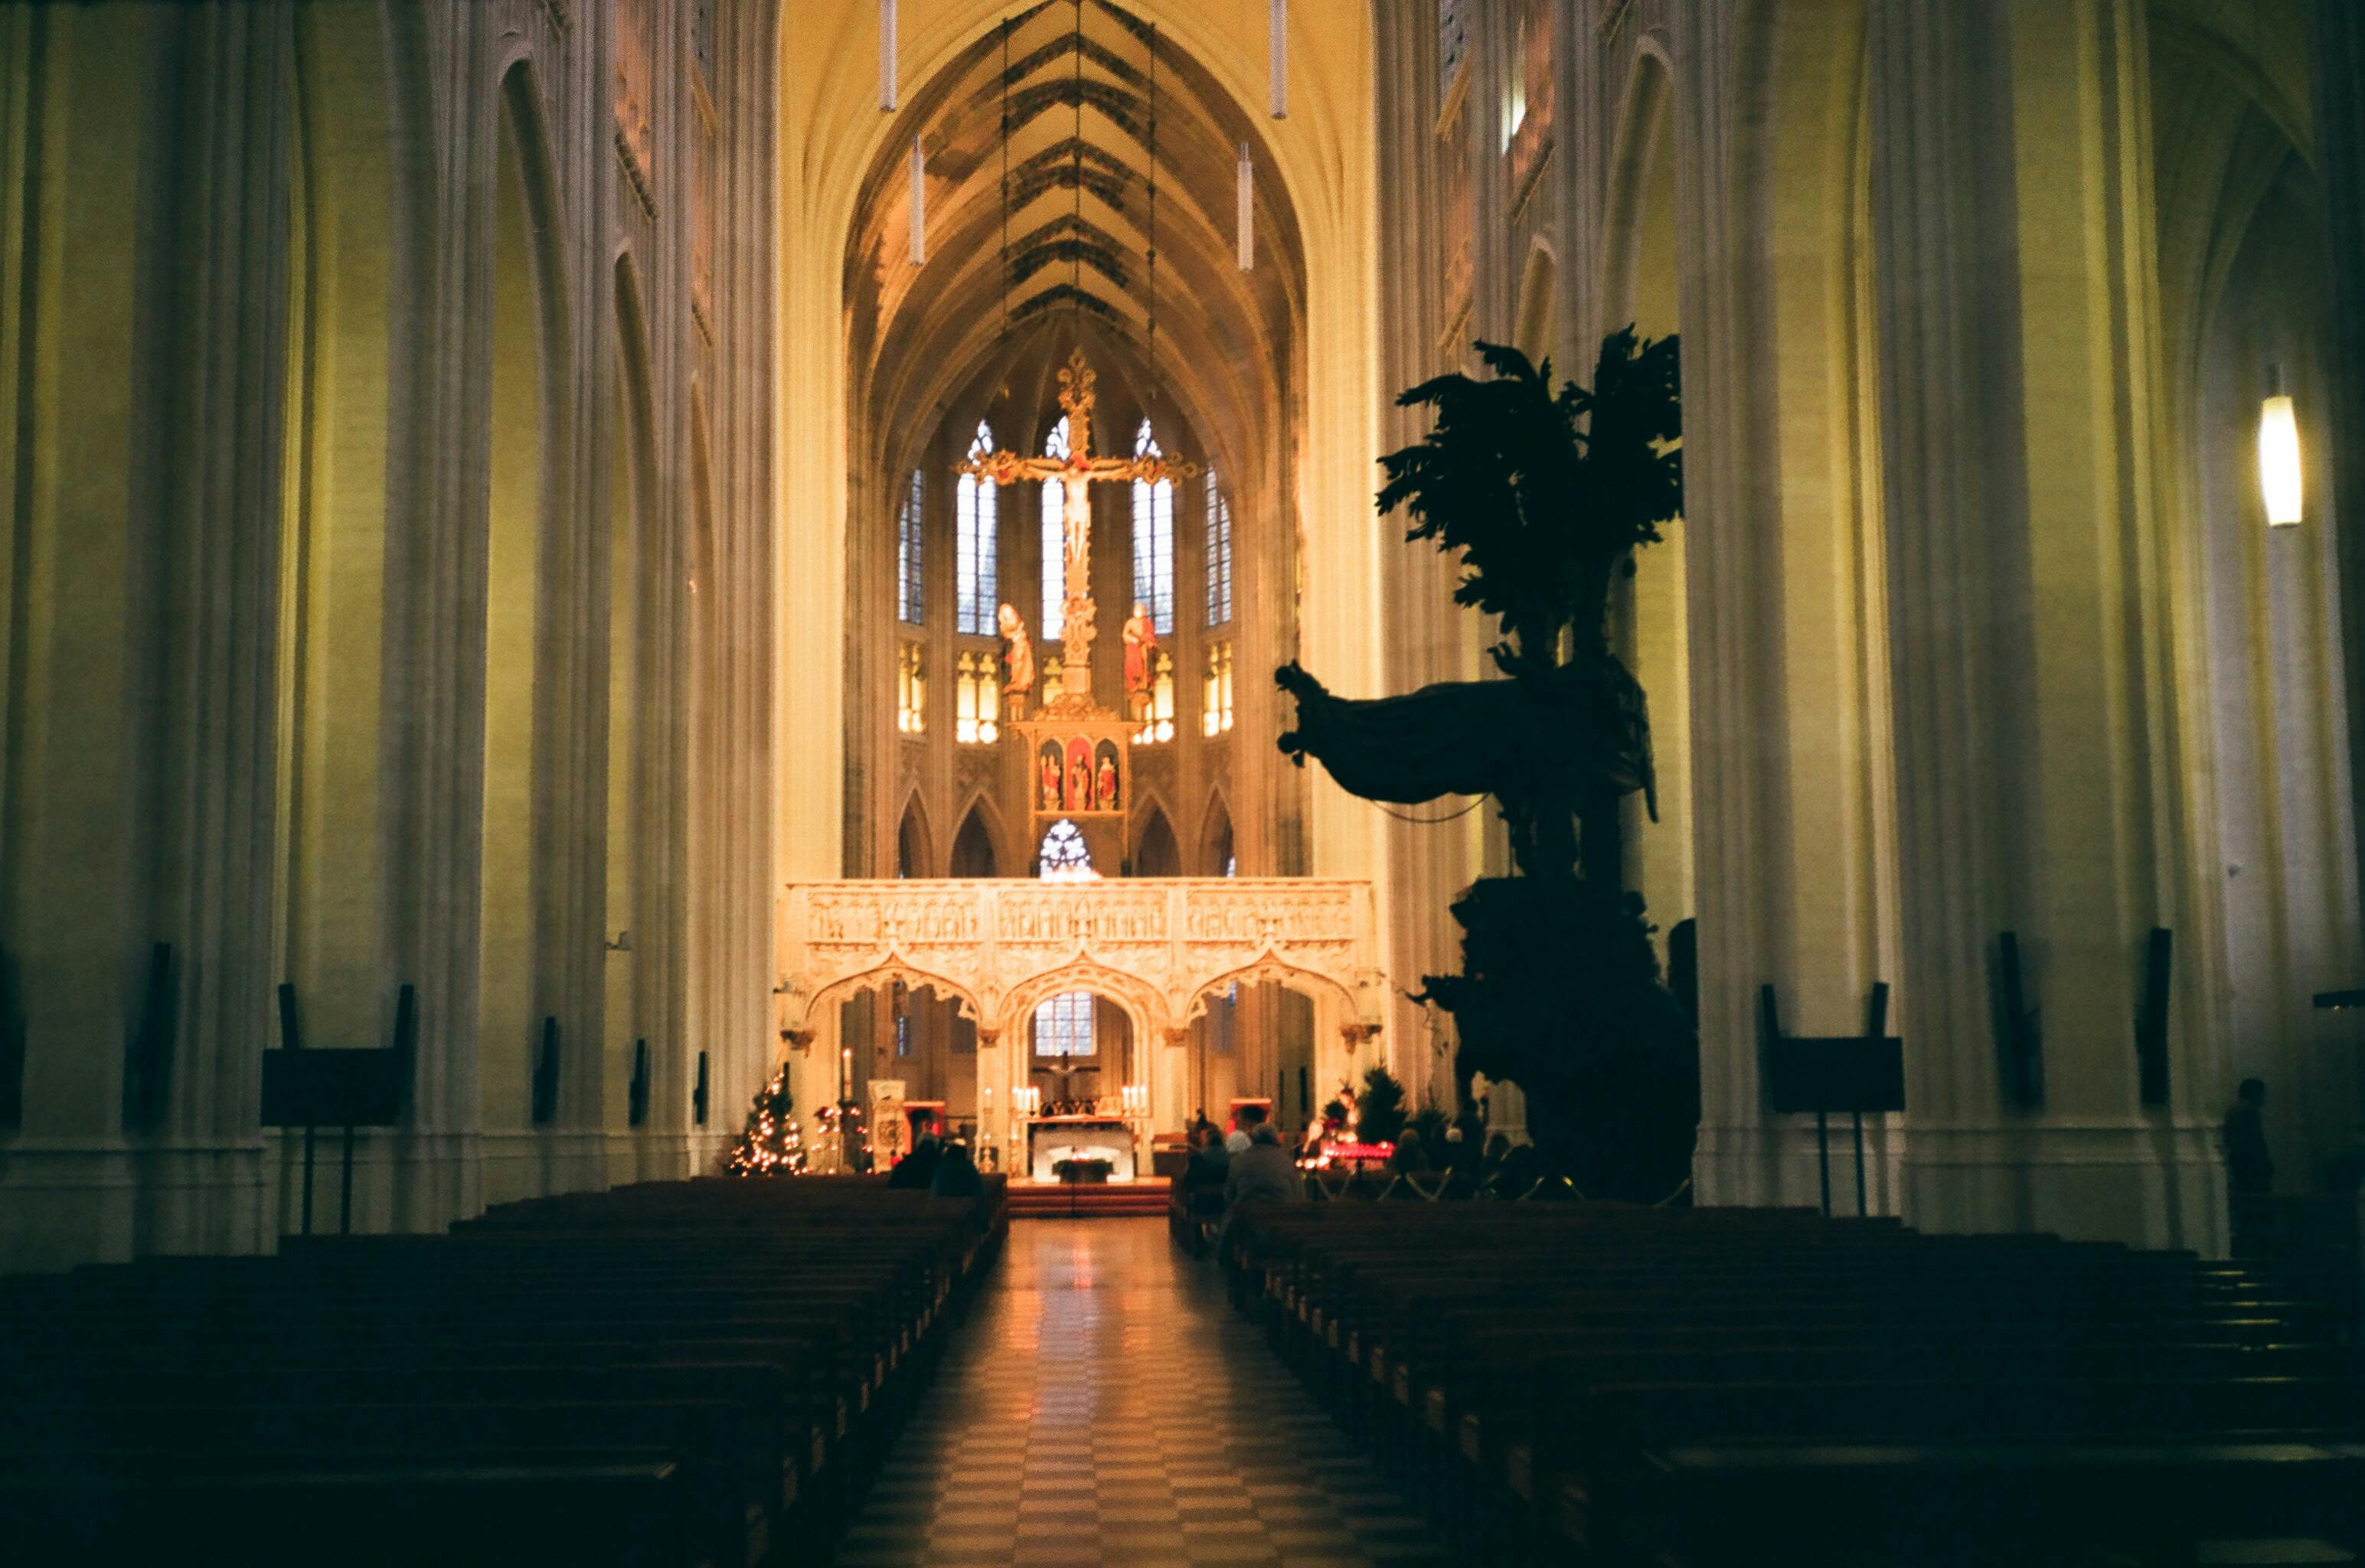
(1050, 1139)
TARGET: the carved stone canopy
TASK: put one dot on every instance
(1160, 948)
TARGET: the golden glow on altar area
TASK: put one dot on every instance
(2279, 461)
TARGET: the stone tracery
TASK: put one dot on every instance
(1158, 948)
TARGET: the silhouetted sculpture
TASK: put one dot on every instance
(1546, 496)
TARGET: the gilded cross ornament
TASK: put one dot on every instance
(1077, 472)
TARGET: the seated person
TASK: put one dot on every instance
(1410, 1157)
(917, 1170)
(1210, 1163)
(1261, 1172)
(955, 1174)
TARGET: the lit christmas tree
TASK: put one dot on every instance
(773, 1144)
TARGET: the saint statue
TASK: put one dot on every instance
(1079, 784)
(1017, 664)
(1051, 780)
(1140, 662)
(1108, 783)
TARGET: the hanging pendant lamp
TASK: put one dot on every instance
(887, 98)
(1280, 59)
(1245, 215)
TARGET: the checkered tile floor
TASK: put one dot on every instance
(1104, 1405)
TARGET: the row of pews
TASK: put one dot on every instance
(685, 1373)
(1589, 1382)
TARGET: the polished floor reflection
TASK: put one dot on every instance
(1105, 1405)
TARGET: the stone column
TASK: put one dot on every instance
(2339, 38)
(206, 565)
(2031, 684)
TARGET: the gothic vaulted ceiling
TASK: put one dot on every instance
(1044, 232)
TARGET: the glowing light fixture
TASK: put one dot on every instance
(2278, 470)
(886, 97)
(1280, 42)
(1244, 219)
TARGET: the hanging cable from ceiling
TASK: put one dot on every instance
(887, 98)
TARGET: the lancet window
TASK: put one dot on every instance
(1216, 691)
(976, 541)
(1219, 554)
(977, 699)
(1153, 539)
(911, 687)
(1055, 541)
(909, 600)
(1157, 724)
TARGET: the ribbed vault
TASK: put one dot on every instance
(1052, 241)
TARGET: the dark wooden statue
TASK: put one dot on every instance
(1545, 496)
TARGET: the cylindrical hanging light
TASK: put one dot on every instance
(887, 56)
(919, 204)
(1246, 217)
(2278, 469)
(1280, 59)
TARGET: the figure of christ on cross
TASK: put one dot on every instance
(1078, 472)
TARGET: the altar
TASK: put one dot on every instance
(1050, 1139)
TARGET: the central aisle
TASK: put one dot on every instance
(1106, 1405)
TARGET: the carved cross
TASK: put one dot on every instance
(1077, 472)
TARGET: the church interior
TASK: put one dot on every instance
(1708, 654)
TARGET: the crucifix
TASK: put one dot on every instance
(1077, 473)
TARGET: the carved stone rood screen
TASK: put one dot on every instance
(1159, 947)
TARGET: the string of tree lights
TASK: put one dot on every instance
(772, 1145)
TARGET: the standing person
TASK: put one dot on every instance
(1263, 1171)
(2249, 1171)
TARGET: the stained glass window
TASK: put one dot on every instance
(909, 560)
(1055, 541)
(1219, 554)
(976, 544)
(1063, 1025)
(1153, 539)
(1064, 856)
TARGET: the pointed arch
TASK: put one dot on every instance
(1139, 1000)
(522, 949)
(1645, 145)
(351, 275)
(914, 846)
(1537, 331)
(1274, 970)
(1218, 849)
(1156, 852)
(973, 852)
(894, 972)
(631, 507)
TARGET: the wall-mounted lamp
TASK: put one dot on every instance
(2278, 472)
